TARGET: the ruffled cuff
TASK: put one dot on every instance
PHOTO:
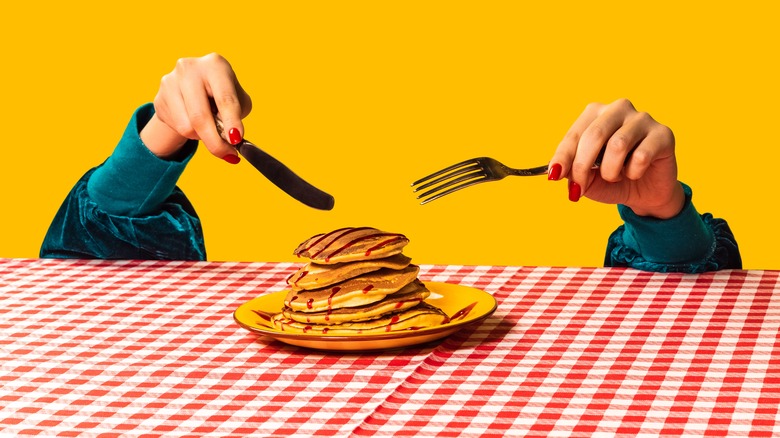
(133, 181)
(682, 238)
(688, 242)
(81, 229)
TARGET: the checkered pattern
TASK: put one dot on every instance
(131, 348)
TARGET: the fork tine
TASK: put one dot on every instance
(468, 169)
(454, 182)
(445, 170)
(453, 189)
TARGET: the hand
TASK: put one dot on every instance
(189, 98)
(639, 167)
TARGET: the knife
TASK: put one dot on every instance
(280, 175)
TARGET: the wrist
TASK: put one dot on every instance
(667, 210)
(160, 139)
(683, 238)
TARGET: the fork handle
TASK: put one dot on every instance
(534, 171)
(542, 170)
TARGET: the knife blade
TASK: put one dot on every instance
(281, 175)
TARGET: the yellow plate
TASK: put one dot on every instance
(464, 305)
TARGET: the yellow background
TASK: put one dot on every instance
(362, 98)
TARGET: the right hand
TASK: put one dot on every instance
(197, 90)
(639, 167)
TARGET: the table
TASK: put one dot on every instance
(135, 348)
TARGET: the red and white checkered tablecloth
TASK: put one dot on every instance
(102, 348)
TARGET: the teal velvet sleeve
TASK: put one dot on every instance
(129, 207)
(689, 242)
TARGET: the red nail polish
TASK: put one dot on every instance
(232, 159)
(575, 191)
(554, 173)
(234, 136)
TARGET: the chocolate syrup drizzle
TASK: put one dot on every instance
(325, 236)
(342, 232)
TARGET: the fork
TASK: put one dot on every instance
(466, 174)
(478, 170)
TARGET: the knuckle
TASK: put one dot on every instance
(596, 132)
(593, 107)
(167, 83)
(200, 118)
(159, 102)
(645, 118)
(572, 137)
(184, 63)
(624, 104)
(644, 115)
(161, 110)
(640, 158)
(214, 58)
(667, 134)
(620, 143)
(226, 100)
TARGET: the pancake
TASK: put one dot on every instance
(357, 281)
(358, 291)
(409, 296)
(351, 244)
(316, 276)
(418, 317)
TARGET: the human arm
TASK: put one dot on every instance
(638, 171)
(130, 207)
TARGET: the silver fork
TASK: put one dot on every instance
(466, 174)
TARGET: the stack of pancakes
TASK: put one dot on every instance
(357, 281)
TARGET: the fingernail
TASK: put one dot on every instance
(234, 136)
(575, 191)
(554, 173)
(232, 159)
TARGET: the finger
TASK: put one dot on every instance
(567, 148)
(198, 109)
(228, 103)
(593, 140)
(171, 110)
(655, 148)
(620, 146)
